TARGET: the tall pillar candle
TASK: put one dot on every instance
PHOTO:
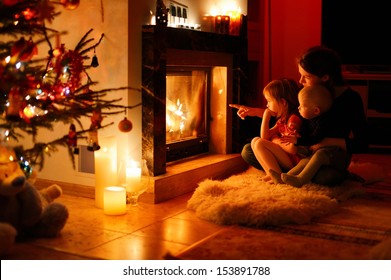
(105, 167)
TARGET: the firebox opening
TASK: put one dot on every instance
(187, 111)
(196, 110)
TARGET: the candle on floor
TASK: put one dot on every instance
(133, 175)
(114, 200)
(105, 167)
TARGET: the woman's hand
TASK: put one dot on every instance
(244, 111)
(286, 146)
(330, 142)
(289, 139)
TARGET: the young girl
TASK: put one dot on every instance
(282, 103)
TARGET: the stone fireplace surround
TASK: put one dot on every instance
(165, 46)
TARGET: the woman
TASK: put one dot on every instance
(321, 65)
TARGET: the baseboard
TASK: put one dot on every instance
(68, 188)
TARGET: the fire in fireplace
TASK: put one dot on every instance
(187, 118)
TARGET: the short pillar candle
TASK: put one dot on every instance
(114, 200)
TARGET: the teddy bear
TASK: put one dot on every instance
(26, 211)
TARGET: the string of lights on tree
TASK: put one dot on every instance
(37, 93)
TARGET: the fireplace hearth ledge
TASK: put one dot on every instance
(181, 177)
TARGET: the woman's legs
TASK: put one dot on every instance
(335, 174)
(330, 176)
(249, 156)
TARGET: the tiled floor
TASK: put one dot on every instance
(147, 231)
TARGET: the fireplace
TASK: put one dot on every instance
(188, 79)
(198, 91)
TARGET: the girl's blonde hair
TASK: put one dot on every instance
(287, 89)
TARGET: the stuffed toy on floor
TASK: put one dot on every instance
(26, 211)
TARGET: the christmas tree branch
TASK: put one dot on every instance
(37, 93)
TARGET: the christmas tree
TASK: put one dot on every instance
(36, 93)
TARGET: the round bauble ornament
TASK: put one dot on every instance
(125, 125)
(24, 50)
(70, 4)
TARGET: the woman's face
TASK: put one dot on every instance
(307, 79)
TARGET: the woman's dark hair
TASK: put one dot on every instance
(320, 61)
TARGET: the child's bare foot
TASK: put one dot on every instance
(266, 178)
(275, 176)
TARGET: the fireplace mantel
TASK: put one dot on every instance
(164, 46)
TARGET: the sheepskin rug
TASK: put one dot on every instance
(244, 199)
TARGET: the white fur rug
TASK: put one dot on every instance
(244, 199)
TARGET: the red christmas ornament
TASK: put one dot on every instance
(10, 2)
(70, 4)
(72, 139)
(15, 105)
(73, 62)
(96, 118)
(125, 125)
(24, 50)
(72, 136)
(28, 14)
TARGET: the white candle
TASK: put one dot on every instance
(114, 200)
(133, 176)
(105, 168)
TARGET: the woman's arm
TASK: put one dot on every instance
(330, 142)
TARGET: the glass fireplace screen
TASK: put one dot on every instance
(186, 112)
